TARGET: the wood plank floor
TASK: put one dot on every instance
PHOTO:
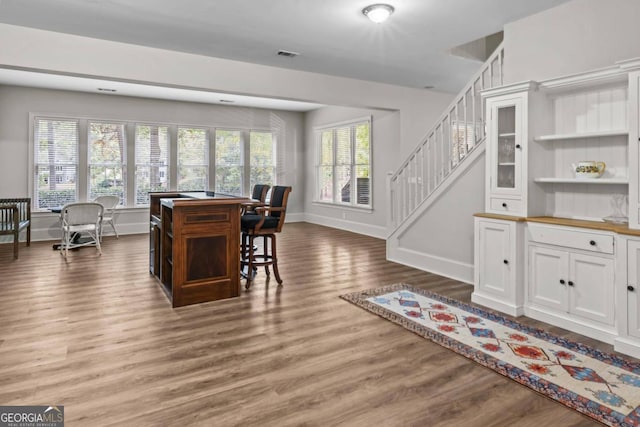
(98, 336)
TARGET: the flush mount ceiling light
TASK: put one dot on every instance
(378, 12)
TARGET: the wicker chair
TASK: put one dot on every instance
(80, 218)
(109, 216)
(15, 216)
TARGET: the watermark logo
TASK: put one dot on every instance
(32, 416)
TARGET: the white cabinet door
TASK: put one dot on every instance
(548, 277)
(506, 184)
(633, 288)
(505, 139)
(591, 287)
(496, 260)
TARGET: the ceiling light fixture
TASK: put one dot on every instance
(378, 12)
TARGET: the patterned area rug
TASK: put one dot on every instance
(598, 384)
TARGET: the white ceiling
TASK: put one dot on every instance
(332, 36)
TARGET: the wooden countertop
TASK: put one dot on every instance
(200, 199)
(568, 222)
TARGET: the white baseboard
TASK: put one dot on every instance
(294, 217)
(43, 234)
(456, 270)
(341, 224)
(628, 346)
(603, 333)
(495, 304)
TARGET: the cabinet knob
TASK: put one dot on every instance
(505, 261)
(504, 205)
(631, 288)
(592, 242)
(518, 146)
(562, 281)
(570, 283)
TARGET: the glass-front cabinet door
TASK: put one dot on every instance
(506, 190)
(505, 171)
(506, 149)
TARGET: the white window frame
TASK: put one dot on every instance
(125, 155)
(82, 183)
(337, 202)
(33, 164)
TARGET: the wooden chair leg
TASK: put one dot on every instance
(29, 235)
(16, 243)
(266, 254)
(275, 259)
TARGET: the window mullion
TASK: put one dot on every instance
(245, 179)
(173, 157)
(212, 159)
(353, 194)
(336, 185)
(82, 186)
(130, 163)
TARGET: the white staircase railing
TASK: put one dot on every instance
(458, 131)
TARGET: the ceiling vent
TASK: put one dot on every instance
(288, 53)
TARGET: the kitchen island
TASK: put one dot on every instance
(194, 249)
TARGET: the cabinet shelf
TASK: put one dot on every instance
(507, 164)
(507, 135)
(601, 181)
(581, 135)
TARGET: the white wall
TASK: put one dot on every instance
(441, 241)
(576, 36)
(415, 109)
(17, 102)
(45, 50)
(385, 156)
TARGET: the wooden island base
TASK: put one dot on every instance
(194, 246)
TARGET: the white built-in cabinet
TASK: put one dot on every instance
(499, 269)
(542, 246)
(507, 111)
(570, 278)
(634, 151)
(631, 286)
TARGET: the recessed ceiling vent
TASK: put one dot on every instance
(288, 53)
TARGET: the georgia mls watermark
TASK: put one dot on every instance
(31, 416)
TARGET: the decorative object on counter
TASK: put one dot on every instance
(589, 169)
(620, 207)
(598, 384)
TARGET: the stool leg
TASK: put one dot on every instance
(250, 264)
(266, 255)
(274, 259)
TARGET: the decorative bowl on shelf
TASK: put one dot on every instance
(589, 169)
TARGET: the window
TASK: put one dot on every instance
(262, 158)
(56, 169)
(79, 159)
(193, 159)
(152, 161)
(107, 160)
(344, 164)
(229, 169)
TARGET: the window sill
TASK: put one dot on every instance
(45, 212)
(363, 209)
